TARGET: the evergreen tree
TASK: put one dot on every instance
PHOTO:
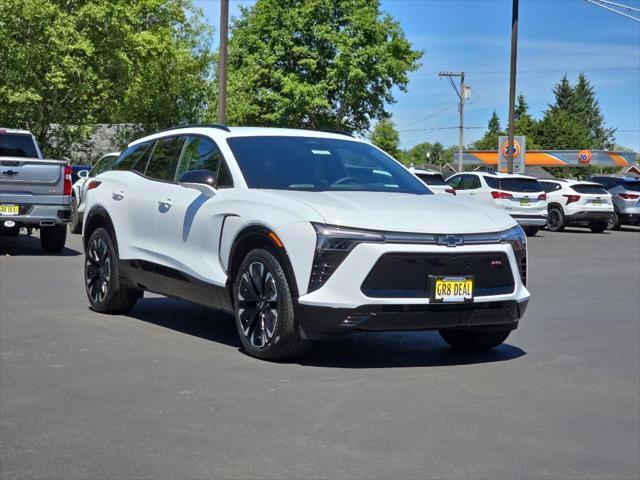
(563, 91)
(436, 153)
(490, 139)
(521, 107)
(586, 110)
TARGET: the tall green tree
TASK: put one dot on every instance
(522, 107)
(559, 131)
(67, 65)
(563, 93)
(490, 139)
(437, 151)
(418, 154)
(386, 137)
(326, 64)
(586, 110)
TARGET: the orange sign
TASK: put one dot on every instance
(584, 157)
(505, 149)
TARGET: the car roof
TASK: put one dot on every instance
(14, 130)
(569, 181)
(501, 175)
(424, 170)
(223, 132)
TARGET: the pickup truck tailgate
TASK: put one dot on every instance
(31, 180)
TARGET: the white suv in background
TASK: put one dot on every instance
(79, 189)
(576, 202)
(434, 180)
(520, 196)
(301, 235)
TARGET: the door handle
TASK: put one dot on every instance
(472, 193)
(117, 195)
(165, 203)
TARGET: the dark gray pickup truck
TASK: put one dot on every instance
(34, 192)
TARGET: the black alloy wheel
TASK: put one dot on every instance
(98, 270)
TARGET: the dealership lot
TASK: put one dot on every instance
(164, 392)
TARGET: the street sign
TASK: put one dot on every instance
(519, 152)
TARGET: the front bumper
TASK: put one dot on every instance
(320, 322)
(40, 215)
(530, 220)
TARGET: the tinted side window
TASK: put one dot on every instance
(493, 182)
(224, 176)
(164, 159)
(200, 153)
(549, 186)
(104, 164)
(469, 182)
(454, 182)
(134, 158)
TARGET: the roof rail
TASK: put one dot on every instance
(219, 126)
(339, 132)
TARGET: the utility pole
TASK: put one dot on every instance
(222, 65)
(463, 94)
(512, 84)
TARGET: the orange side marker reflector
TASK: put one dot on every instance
(275, 239)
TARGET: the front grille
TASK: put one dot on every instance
(406, 275)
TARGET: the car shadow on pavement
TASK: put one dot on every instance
(356, 350)
(29, 245)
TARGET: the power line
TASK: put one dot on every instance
(430, 116)
(602, 4)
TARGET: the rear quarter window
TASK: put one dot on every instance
(134, 158)
(431, 178)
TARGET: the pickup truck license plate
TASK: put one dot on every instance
(524, 202)
(9, 209)
(452, 289)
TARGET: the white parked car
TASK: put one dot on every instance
(79, 189)
(577, 202)
(434, 180)
(520, 196)
(301, 235)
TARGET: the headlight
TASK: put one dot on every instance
(518, 240)
(332, 246)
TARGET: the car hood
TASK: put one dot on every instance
(399, 212)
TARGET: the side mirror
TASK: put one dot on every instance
(202, 180)
(83, 174)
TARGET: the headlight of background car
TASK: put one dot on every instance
(332, 246)
(518, 240)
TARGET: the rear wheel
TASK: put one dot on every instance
(531, 231)
(598, 227)
(52, 239)
(101, 274)
(76, 224)
(614, 221)
(264, 311)
(555, 221)
(472, 339)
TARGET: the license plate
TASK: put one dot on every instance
(9, 209)
(524, 202)
(596, 201)
(452, 289)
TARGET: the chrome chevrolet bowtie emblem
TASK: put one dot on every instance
(450, 240)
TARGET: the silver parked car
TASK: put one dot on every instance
(626, 199)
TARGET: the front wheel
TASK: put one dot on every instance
(555, 221)
(52, 239)
(101, 275)
(598, 227)
(76, 224)
(531, 231)
(472, 339)
(263, 307)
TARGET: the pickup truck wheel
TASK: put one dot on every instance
(76, 224)
(52, 239)
(472, 339)
(555, 221)
(102, 276)
(263, 307)
(10, 232)
(598, 227)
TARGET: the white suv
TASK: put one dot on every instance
(576, 202)
(520, 196)
(301, 235)
(434, 180)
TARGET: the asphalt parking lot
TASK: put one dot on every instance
(165, 392)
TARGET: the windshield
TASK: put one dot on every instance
(633, 185)
(17, 145)
(320, 164)
(515, 184)
(431, 178)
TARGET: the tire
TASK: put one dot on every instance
(101, 277)
(555, 221)
(614, 223)
(598, 227)
(263, 307)
(472, 339)
(76, 224)
(531, 231)
(52, 239)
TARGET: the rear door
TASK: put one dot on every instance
(592, 197)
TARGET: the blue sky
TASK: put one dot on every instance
(555, 37)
